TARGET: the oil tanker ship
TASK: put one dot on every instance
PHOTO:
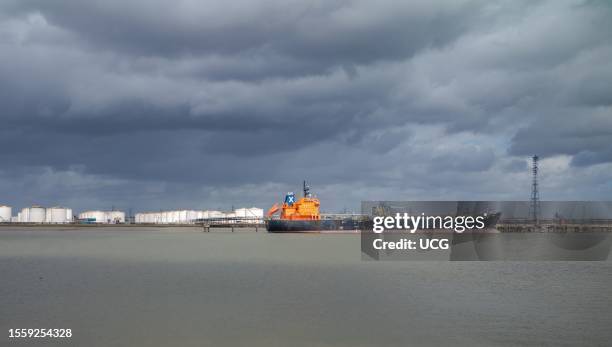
(303, 216)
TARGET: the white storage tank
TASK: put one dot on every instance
(215, 214)
(6, 213)
(255, 215)
(58, 215)
(187, 216)
(249, 215)
(36, 214)
(168, 217)
(255, 212)
(192, 216)
(182, 217)
(139, 218)
(147, 218)
(173, 217)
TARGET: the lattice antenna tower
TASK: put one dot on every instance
(535, 194)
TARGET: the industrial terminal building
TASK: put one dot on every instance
(102, 217)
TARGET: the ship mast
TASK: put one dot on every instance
(306, 190)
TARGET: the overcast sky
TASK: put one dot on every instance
(153, 105)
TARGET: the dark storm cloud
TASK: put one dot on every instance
(153, 97)
(584, 133)
(339, 32)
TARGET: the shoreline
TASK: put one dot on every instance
(156, 227)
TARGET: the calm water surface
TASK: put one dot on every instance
(163, 287)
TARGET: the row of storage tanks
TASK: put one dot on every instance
(63, 215)
(251, 215)
(57, 215)
(36, 214)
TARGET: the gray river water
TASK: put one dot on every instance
(164, 287)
